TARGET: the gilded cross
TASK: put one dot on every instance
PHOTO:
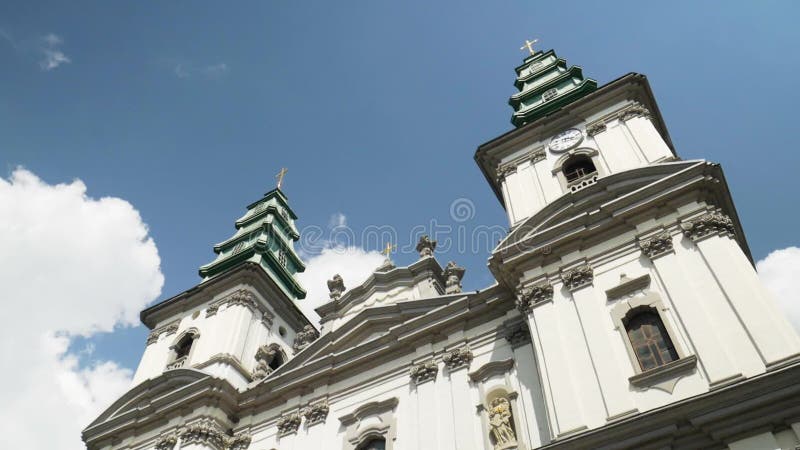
(529, 45)
(280, 176)
(388, 249)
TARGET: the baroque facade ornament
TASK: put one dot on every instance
(168, 329)
(657, 245)
(527, 298)
(503, 172)
(264, 357)
(453, 273)
(595, 129)
(336, 287)
(518, 334)
(578, 277)
(711, 223)
(316, 413)
(241, 442)
(242, 297)
(166, 442)
(303, 338)
(457, 358)
(635, 111)
(500, 424)
(203, 433)
(538, 155)
(425, 246)
(289, 424)
(423, 372)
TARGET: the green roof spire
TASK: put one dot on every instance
(545, 84)
(264, 235)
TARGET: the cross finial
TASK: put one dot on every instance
(388, 249)
(280, 176)
(529, 46)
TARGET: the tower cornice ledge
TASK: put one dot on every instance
(248, 273)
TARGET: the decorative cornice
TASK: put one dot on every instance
(205, 433)
(457, 358)
(425, 246)
(707, 224)
(527, 298)
(166, 442)
(578, 277)
(490, 369)
(168, 329)
(657, 245)
(303, 338)
(636, 110)
(316, 413)
(424, 371)
(518, 334)
(627, 286)
(596, 128)
(289, 424)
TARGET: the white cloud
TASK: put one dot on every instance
(53, 57)
(780, 272)
(187, 70)
(70, 265)
(354, 264)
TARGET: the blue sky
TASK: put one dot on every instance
(187, 109)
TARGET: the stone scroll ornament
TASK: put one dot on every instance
(423, 372)
(711, 223)
(500, 424)
(528, 297)
(304, 338)
(453, 273)
(316, 413)
(289, 423)
(336, 287)
(578, 277)
(460, 357)
(425, 246)
(657, 245)
(166, 442)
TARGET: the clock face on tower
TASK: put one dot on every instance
(565, 140)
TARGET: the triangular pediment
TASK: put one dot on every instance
(607, 190)
(368, 326)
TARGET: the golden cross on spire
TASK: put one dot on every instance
(529, 46)
(388, 249)
(280, 176)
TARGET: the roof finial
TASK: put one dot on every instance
(280, 176)
(529, 46)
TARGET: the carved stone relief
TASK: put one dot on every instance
(595, 129)
(453, 274)
(658, 245)
(457, 358)
(166, 442)
(501, 424)
(425, 246)
(578, 277)
(503, 172)
(264, 357)
(316, 413)
(711, 223)
(424, 371)
(636, 110)
(527, 298)
(204, 433)
(304, 338)
(289, 424)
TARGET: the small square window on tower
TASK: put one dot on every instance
(549, 94)
(282, 257)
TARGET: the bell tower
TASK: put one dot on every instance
(629, 264)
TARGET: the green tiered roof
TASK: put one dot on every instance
(265, 235)
(546, 84)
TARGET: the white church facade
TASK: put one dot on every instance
(626, 314)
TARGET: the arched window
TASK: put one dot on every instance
(377, 443)
(577, 167)
(184, 346)
(649, 339)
